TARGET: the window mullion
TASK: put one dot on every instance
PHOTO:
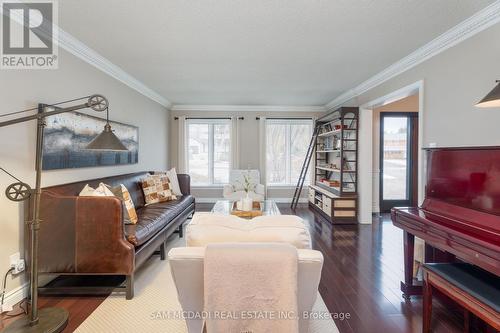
(186, 147)
(211, 154)
(288, 135)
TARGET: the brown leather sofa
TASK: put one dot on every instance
(87, 236)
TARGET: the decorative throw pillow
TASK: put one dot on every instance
(130, 215)
(87, 191)
(101, 191)
(172, 176)
(157, 188)
(120, 192)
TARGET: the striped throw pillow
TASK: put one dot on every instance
(130, 215)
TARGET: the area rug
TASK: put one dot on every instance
(155, 293)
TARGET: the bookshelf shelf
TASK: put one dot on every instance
(335, 188)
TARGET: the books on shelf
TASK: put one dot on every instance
(336, 152)
(335, 167)
(330, 182)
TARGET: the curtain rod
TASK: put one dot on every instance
(208, 118)
(243, 118)
(285, 118)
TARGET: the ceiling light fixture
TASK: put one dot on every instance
(492, 100)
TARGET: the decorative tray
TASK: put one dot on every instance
(256, 211)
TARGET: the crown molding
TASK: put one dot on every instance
(248, 108)
(74, 46)
(478, 22)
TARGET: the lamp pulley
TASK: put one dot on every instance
(98, 103)
(18, 191)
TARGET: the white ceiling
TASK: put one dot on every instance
(258, 52)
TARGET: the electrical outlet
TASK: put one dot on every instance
(14, 258)
(20, 267)
(17, 263)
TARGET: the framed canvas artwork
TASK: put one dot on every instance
(67, 134)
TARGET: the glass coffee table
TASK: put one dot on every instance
(268, 207)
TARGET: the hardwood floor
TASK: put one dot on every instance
(361, 275)
(79, 309)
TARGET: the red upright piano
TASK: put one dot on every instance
(460, 215)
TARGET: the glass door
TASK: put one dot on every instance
(398, 159)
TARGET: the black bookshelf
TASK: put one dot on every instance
(336, 165)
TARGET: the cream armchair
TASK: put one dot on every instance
(235, 189)
(187, 271)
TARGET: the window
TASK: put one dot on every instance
(208, 151)
(287, 143)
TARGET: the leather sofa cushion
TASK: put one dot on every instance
(154, 217)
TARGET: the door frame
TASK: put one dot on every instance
(365, 141)
(412, 158)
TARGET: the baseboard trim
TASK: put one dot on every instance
(288, 200)
(16, 295)
(277, 200)
(207, 200)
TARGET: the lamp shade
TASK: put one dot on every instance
(492, 100)
(107, 140)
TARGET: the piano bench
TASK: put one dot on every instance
(476, 290)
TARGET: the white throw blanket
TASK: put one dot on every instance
(251, 287)
(208, 228)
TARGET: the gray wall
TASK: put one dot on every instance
(453, 82)
(20, 89)
(248, 150)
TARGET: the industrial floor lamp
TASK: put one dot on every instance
(50, 319)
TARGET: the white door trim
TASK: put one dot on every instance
(365, 165)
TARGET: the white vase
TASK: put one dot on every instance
(239, 204)
(247, 204)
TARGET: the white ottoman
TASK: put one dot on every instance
(208, 228)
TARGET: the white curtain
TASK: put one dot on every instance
(235, 143)
(182, 146)
(262, 152)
